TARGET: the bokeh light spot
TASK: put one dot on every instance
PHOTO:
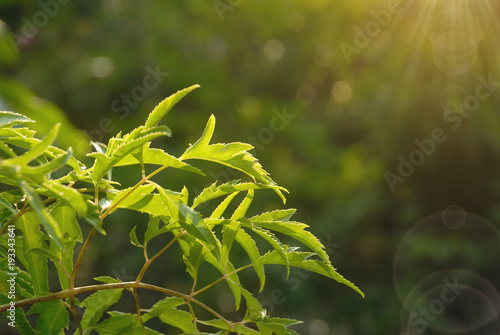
(342, 91)
(274, 50)
(101, 67)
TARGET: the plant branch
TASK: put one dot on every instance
(92, 288)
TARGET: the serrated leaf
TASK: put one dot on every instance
(114, 324)
(179, 319)
(133, 238)
(299, 259)
(107, 279)
(153, 229)
(71, 197)
(297, 231)
(166, 105)
(194, 259)
(251, 249)
(32, 239)
(276, 244)
(214, 191)
(39, 172)
(277, 215)
(282, 321)
(222, 325)
(97, 304)
(158, 157)
(229, 235)
(219, 211)
(53, 316)
(11, 118)
(162, 306)
(103, 162)
(190, 220)
(241, 211)
(36, 150)
(234, 155)
(48, 222)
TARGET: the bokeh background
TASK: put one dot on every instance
(388, 139)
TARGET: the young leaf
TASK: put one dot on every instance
(234, 155)
(153, 229)
(250, 247)
(158, 157)
(214, 191)
(299, 259)
(297, 232)
(219, 211)
(166, 105)
(133, 238)
(10, 119)
(241, 211)
(103, 162)
(38, 172)
(37, 150)
(276, 244)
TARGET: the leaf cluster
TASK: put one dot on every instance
(49, 194)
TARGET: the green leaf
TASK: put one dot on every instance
(179, 319)
(162, 306)
(38, 172)
(53, 316)
(33, 239)
(222, 325)
(103, 162)
(158, 157)
(296, 231)
(234, 155)
(277, 215)
(166, 105)
(71, 197)
(276, 244)
(10, 119)
(97, 304)
(48, 222)
(241, 211)
(133, 238)
(285, 322)
(37, 150)
(193, 259)
(190, 220)
(5, 203)
(214, 191)
(230, 231)
(115, 324)
(251, 249)
(153, 229)
(299, 259)
(219, 211)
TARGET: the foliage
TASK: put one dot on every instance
(49, 193)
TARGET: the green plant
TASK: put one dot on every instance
(35, 198)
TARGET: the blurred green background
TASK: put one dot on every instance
(374, 115)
